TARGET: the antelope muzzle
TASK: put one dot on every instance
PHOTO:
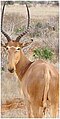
(11, 70)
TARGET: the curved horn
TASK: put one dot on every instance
(5, 34)
(22, 34)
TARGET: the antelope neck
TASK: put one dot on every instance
(22, 66)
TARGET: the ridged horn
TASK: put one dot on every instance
(5, 34)
(22, 34)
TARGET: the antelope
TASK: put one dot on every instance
(39, 79)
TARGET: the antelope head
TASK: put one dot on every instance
(14, 46)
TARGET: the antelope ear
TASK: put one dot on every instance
(3, 45)
(26, 43)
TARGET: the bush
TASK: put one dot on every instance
(44, 53)
(9, 2)
(19, 30)
(2, 68)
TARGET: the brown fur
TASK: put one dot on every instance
(39, 79)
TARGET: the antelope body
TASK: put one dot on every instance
(40, 82)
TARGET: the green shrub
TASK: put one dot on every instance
(19, 30)
(44, 53)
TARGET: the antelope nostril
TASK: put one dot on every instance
(11, 70)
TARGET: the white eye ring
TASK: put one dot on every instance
(7, 47)
(18, 48)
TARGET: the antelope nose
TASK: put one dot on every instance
(11, 70)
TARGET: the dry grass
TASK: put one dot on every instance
(37, 12)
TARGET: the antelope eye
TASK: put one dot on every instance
(18, 48)
(6, 48)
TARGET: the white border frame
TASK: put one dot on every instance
(0, 49)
